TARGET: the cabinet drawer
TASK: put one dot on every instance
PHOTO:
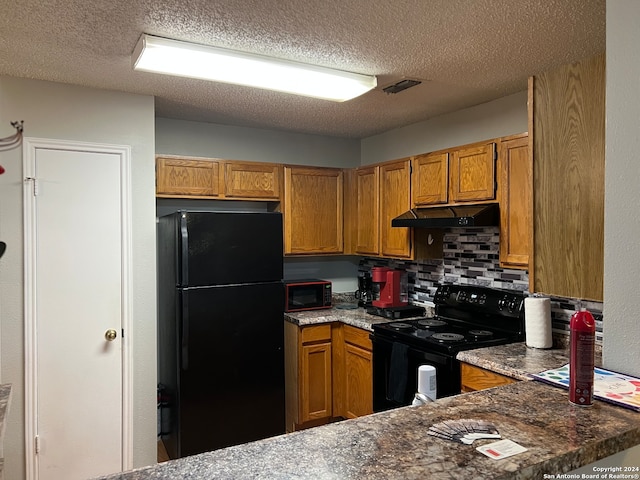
(357, 336)
(316, 333)
(476, 378)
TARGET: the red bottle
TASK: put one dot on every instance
(583, 336)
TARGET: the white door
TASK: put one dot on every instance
(76, 281)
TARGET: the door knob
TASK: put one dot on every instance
(110, 335)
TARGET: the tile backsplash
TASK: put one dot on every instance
(471, 256)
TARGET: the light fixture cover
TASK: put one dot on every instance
(173, 57)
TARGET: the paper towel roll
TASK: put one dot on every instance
(427, 381)
(537, 322)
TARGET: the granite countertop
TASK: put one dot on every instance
(356, 317)
(559, 437)
(518, 361)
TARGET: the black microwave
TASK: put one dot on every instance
(306, 294)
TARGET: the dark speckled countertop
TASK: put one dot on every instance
(559, 437)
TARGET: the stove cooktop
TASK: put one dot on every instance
(442, 335)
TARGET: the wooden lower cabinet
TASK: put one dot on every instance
(352, 372)
(328, 374)
(475, 378)
(308, 375)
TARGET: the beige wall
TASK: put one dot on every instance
(58, 111)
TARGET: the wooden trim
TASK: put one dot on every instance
(530, 115)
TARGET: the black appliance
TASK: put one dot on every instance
(307, 294)
(482, 215)
(467, 317)
(364, 294)
(220, 329)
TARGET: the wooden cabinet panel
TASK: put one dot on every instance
(315, 394)
(475, 378)
(358, 372)
(308, 375)
(430, 178)
(395, 198)
(313, 212)
(186, 177)
(252, 180)
(366, 218)
(567, 115)
(473, 173)
(516, 202)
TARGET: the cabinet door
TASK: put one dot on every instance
(184, 177)
(367, 211)
(395, 198)
(516, 203)
(473, 173)
(474, 378)
(430, 178)
(315, 384)
(358, 387)
(252, 180)
(313, 218)
(567, 115)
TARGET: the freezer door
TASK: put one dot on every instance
(221, 248)
(232, 366)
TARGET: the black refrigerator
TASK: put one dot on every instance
(220, 329)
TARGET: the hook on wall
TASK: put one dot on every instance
(11, 142)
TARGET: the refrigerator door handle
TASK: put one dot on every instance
(185, 332)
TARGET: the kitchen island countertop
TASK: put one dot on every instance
(559, 437)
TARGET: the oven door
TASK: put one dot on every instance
(390, 373)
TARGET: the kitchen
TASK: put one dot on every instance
(122, 118)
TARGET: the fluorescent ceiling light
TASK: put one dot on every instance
(161, 55)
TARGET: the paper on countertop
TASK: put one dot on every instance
(608, 386)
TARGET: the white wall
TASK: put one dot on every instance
(52, 110)
(621, 347)
(502, 117)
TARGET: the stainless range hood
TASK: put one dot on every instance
(483, 215)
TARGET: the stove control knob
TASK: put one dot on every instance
(502, 303)
(513, 303)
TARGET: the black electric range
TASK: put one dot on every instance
(467, 317)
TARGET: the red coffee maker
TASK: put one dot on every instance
(389, 287)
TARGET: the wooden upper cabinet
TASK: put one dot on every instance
(187, 177)
(567, 124)
(252, 180)
(473, 173)
(366, 218)
(430, 178)
(313, 210)
(516, 202)
(395, 199)
(216, 178)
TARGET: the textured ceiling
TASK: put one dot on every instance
(466, 52)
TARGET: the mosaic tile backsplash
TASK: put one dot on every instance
(471, 256)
